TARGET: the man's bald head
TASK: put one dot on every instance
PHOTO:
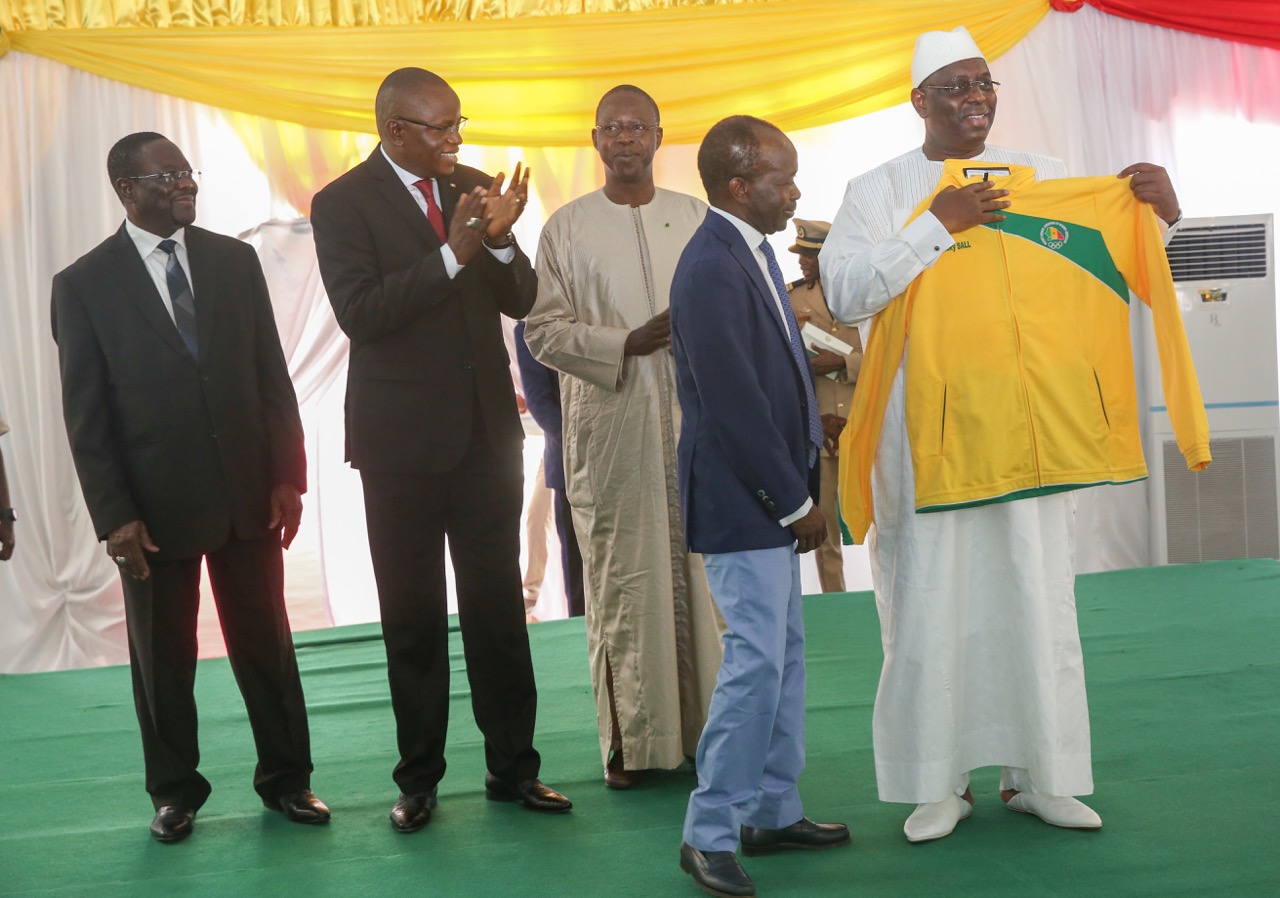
(730, 150)
(396, 87)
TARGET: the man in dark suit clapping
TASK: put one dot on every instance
(417, 256)
(185, 432)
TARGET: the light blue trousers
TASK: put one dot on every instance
(752, 750)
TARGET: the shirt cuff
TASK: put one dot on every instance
(504, 255)
(927, 237)
(451, 266)
(798, 514)
(1168, 230)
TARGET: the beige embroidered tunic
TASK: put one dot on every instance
(603, 270)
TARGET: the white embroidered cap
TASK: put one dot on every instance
(936, 49)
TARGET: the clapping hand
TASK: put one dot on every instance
(502, 209)
(467, 227)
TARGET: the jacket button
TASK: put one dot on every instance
(466, 366)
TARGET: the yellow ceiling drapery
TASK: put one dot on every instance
(531, 80)
(49, 14)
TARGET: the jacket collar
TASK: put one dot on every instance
(137, 287)
(396, 191)
(732, 236)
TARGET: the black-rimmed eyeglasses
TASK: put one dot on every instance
(456, 128)
(986, 85)
(167, 178)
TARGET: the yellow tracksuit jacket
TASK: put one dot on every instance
(1020, 378)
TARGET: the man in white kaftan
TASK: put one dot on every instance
(605, 264)
(982, 658)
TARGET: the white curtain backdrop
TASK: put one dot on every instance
(1098, 91)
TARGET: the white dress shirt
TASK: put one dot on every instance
(157, 260)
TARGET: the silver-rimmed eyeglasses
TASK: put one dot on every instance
(635, 129)
(455, 128)
(960, 89)
(167, 178)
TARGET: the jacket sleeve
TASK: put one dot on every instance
(541, 387)
(559, 338)
(86, 408)
(280, 403)
(1145, 268)
(513, 284)
(368, 302)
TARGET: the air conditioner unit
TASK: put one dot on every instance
(1224, 273)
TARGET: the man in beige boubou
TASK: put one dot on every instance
(605, 263)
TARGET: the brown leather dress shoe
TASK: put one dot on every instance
(615, 777)
(301, 807)
(530, 793)
(412, 812)
(716, 872)
(803, 834)
(172, 824)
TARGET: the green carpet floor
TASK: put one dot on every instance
(1184, 687)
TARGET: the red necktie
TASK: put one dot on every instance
(434, 215)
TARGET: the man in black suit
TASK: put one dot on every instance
(417, 256)
(185, 433)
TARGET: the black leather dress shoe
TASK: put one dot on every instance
(717, 872)
(412, 812)
(803, 834)
(301, 807)
(531, 793)
(172, 824)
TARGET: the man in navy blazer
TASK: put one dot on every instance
(749, 485)
(542, 397)
(188, 446)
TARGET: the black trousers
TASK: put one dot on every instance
(248, 587)
(476, 506)
(570, 555)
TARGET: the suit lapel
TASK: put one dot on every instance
(448, 199)
(397, 195)
(745, 257)
(138, 288)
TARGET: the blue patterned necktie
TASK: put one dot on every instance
(184, 305)
(797, 351)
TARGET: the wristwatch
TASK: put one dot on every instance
(8, 514)
(508, 239)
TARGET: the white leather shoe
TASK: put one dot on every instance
(1057, 810)
(936, 819)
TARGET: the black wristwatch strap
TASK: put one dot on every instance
(8, 514)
